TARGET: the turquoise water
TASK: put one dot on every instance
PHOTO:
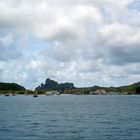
(64, 117)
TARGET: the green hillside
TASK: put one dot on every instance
(10, 87)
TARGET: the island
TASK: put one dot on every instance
(52, 87)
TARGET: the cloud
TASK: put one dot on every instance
(121, 55)
(83, 41)
(121, 42)
(69, 23)
(7, 49)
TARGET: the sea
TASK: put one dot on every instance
(70, 117)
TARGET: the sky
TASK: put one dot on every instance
(87, 42)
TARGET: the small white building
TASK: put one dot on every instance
(100, 91)
(52, 93)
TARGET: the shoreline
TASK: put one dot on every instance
(67, 94)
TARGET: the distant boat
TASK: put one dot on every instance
(6, 94)
(35, 95)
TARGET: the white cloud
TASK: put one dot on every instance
(120, 34)
(83, 41)
(7, 49)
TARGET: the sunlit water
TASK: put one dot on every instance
(67, 117)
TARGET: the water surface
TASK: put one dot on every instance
(70, 117)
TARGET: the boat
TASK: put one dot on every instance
(35, 95)
(6, 94)
(13, 94)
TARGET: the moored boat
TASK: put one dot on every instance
(35, 95)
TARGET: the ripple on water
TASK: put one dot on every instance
(70, 118)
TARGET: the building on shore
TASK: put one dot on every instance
(52, 93)
(100, 91)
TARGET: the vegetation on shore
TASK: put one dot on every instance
(52, 87)
(69, 88)
(10, 86)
